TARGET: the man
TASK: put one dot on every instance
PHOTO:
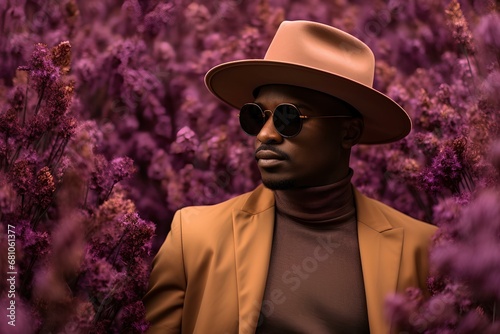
(305, 252)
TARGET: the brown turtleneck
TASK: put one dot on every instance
(315, 282)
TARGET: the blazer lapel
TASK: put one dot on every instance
(380, 248)
(253, 227)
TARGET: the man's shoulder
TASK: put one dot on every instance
(219, 212)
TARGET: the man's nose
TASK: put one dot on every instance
(268, 133)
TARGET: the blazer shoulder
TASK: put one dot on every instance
(221, 213)
(393, 217)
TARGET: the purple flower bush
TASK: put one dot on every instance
(106, 126)
(81, 250)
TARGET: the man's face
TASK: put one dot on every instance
(317, 155)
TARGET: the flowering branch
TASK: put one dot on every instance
(42, 164)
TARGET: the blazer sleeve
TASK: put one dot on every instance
(164, 300)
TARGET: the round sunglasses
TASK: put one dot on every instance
(287, 119)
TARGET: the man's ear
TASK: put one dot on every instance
(353, 129)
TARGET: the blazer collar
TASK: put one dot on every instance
(253, 227)
(380, 247)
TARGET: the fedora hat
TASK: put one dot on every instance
(319, 57)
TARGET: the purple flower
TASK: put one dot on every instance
(186, 141)
(447, 211)
(9, 122)
(428, 142)
(143, 147)
(35, 128)
(473, 322)
(66, 128)
(198, 16)
(160, 165)
(384, 76)
(58, 101)
(33, 243)
(132, 11)
(406, 168)
(128, 124)
(44, 187)
(401, 309)
(163, 14)
(83, 318)
(487, 34)
(253, 45)
(132, 318)
(458, 24)
(163, 127)
(121, 168)
(441, 313)
(86, 69)
(495, 155)
(100, 278)
(491, 87)
(100, 176)
(22, 176)
(444, 172)
(42, 69)
(106, 228)
(61, 56)
(8, 196)
(139, 274)
(135, 238)
(474, 254)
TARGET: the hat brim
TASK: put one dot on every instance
(234, 83)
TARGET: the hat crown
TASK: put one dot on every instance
(324, 48)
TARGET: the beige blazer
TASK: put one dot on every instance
(210, 274)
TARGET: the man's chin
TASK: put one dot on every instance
(279, 184)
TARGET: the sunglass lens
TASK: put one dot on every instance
(286, 120)
(252, 119)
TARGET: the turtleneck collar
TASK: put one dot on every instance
(332, 203)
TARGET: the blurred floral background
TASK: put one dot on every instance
(106, 129)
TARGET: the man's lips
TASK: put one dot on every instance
(268, 152)
(269, 157)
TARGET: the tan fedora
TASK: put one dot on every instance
(323, 58)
